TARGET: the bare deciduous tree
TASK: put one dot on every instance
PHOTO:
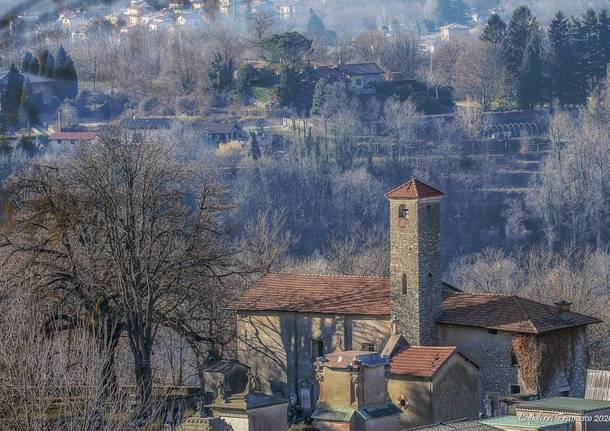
(477, 73)
(149, 219)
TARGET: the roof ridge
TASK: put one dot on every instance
(400, 186)
(527, 317)
(316, 274)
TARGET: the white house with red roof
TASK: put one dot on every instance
(523, 348)
(71, 137)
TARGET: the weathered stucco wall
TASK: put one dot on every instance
(456, 391)
(278, 345)
(418, 394)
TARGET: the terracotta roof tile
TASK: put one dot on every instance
(413, 189)
(318, 294)
(508, 313)
(420, 361)
(329, 294)
(78, 136)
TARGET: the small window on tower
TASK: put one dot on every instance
(403, 212)
(404, 283)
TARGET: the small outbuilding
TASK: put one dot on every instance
(587, 415)
(519, 423)
(431, 384)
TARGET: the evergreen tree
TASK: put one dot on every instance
(65, 74)
(592, 56)
(34, 66)
(604, 35)
(11, 98)
(295, 88)
(529, 91)
(220, 73)
(71, 84)
(495, 30)
(452, 11)
(287, 48)
(26, 63)
(29, 103)
(562, 64)
(518, 31)
(46, 64)
(505, 99)
(315, 25)
(255, 149)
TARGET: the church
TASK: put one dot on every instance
(523, 349)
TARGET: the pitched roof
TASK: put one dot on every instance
(508, 313)
(148, 123)
(459, 425)
(413, 189)
(77, 136)
(370, 296)
(360, 69)
(218, 127)
(309, 293)
(564, 404)
(420, 361)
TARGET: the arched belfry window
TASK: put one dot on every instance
(404, 283)
(403, 212)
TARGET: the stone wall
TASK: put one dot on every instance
(415, 268)
(278, 345)
(491, 351)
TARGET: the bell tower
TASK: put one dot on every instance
(415, 260)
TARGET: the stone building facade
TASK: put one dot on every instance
(285, 321)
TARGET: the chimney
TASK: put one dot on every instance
(563, 306)
(394, 325)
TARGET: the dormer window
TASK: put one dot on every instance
(404, 284)
(403, 212)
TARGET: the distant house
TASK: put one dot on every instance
(41, 85)
(191, 19)
(221, 132)
(71, 137)
(587, 415)
(431, 384)
(289, 9)
(454, 32)
(359, 77)
(147, 124)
